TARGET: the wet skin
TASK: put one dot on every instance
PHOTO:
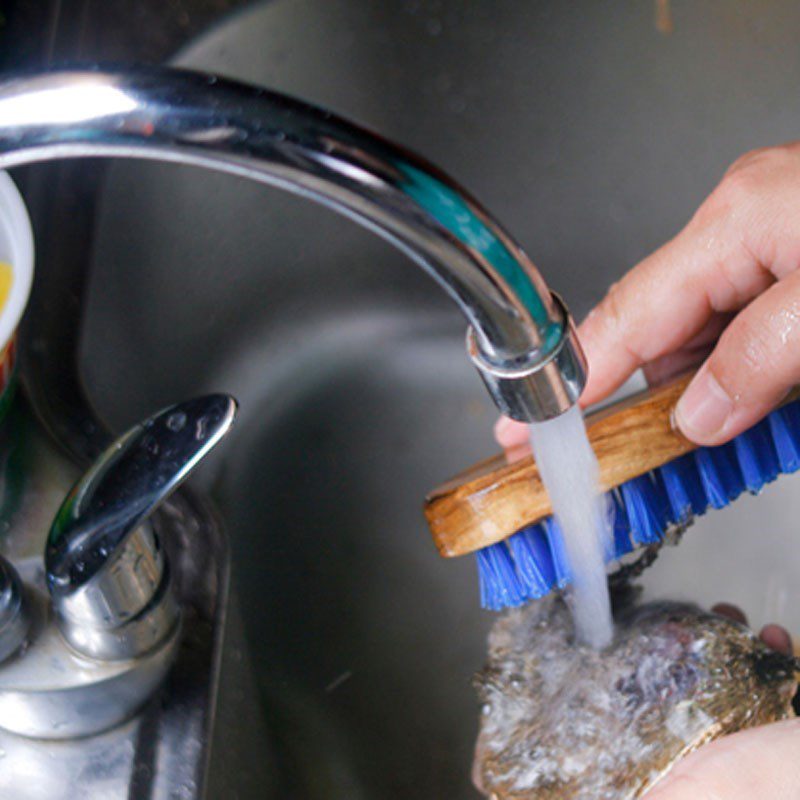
(724, 293)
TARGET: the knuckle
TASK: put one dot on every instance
(761, 156)
(739, 186)
(766, 159)
(746, 159)
(732, 191)
(732, 286)
(748, 178)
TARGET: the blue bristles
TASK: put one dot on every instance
(784, 425)
(755, 452)
(684, 488)
(720, 474)
(500, 586)
(531, 551)
(647, 509)
(533, 561)
(622, 527)
(558, 552)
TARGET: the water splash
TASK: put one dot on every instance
(570, 473)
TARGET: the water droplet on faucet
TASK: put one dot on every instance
(177, 421)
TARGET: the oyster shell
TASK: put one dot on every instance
(561, 721)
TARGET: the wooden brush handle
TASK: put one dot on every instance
(494, 499)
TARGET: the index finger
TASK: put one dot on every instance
(666, 300)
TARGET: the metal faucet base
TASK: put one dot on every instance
(49, 691)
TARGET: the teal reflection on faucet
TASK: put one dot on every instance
(452, 211)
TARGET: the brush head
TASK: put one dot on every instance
(646, 511)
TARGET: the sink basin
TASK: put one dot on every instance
(350, 645)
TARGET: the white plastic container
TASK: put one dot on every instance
(16, 251)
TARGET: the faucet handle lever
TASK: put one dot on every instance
(106, 572)
(14, 618)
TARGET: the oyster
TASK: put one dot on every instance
(561, 721)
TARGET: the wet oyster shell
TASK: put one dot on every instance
(560, 721)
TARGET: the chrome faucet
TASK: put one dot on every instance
(521, 337)
(88, 632)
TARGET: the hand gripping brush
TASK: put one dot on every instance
(655, 480)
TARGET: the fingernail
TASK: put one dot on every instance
(509, 433)
(517, 453)
(501, 428)
(704, 407)
(777, 638)
(730, 611)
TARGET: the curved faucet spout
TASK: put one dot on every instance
(521, 337)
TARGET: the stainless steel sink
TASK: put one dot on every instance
(350, 644)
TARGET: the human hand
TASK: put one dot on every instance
(733, 270)
(756, 763)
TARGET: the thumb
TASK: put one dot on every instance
(757, 763)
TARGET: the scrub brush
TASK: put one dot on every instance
(655, 480)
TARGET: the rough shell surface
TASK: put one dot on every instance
(561, 721)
